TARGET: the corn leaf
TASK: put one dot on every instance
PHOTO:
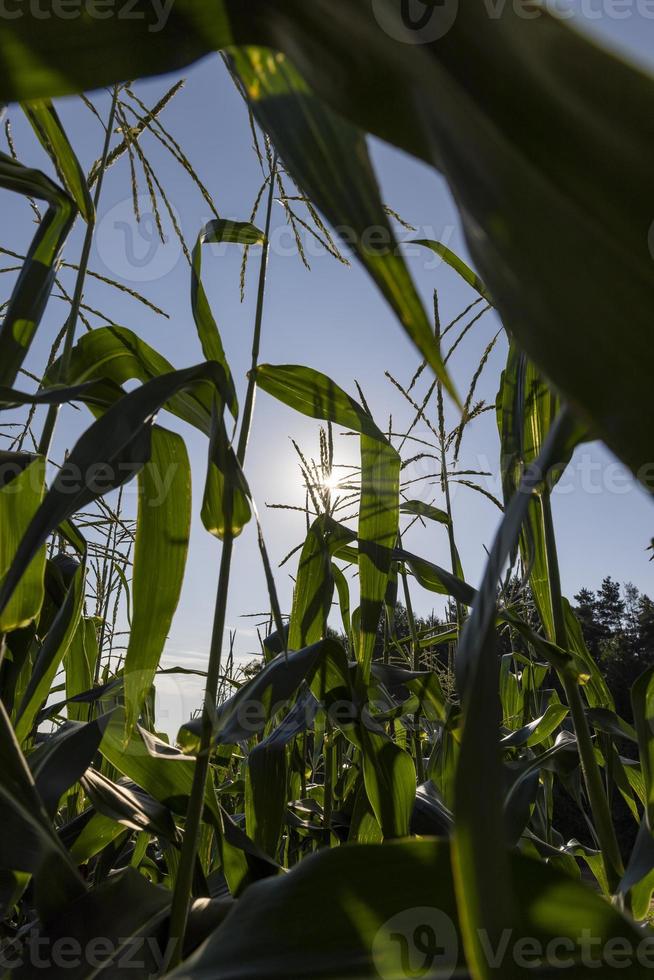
(456, 263)
(328, 159)
(163, 527)
(315, 395)
(217, 231)
(28, 842)
(52, 136)
(19, 499)
(111, 451)
(35, 280)
(50, 655)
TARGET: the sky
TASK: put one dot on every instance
(330, 318)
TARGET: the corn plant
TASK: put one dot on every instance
(375, 800)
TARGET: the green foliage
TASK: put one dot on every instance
(396, 789)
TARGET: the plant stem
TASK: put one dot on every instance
(328, 784)
(420, 766)
(592, 777)
(71, 323)
(183, 885)
(248, 408)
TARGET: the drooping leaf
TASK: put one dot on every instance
(216, 231)
(456, 263)
(36, 278)
(60, 761)
(109, 453)
(328, 159)
(120, 355)
(128, 804)
(52, 136)
(421, 509)
(247, 712)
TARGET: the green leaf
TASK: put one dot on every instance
(96, 834)
(487, 900)
(457, 264)
(129, 805)
(642, 700)
(436, 579)
(328, 159)
(28, 841)
(526, 409)
(19, 499)
(421, 509)
(596, 689)
(316, 395)
(109, 453)
(36, 278)
(160, 550)
(314, 582)
(118, 354)
(537, 730)
(52, 136)
(348, 922)
(247, 712)
(114, 922)
(59, 762)
(50, 655)
(266, 782)
(534, 198)
(227, 504)
(389, 777)
(216, 231)
(423, 683)
(160, 769)
(314, 588)
(80, 661)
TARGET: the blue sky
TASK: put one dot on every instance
(330, 318)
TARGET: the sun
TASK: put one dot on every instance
(331, 482)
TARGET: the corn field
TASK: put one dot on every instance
(376, 796)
